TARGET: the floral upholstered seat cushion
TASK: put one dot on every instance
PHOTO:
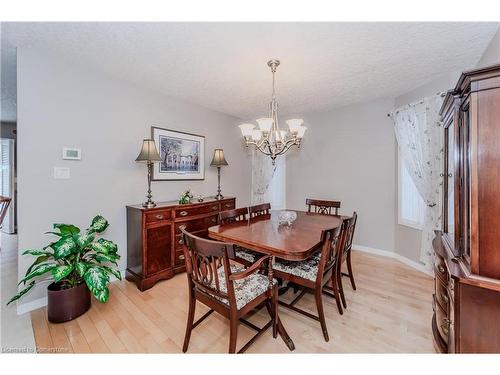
(246, 289)
(246, 254)
(306, 269)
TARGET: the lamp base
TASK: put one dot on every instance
(219, 196)
(149, 204)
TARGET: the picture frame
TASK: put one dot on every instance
(183, 155)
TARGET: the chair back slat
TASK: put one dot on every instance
(323, 206)
(230, 216)
(331, 250)
(4, 207)
(259, 210)
(204, 258)
(350, 228)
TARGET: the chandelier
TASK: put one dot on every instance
(268, 138)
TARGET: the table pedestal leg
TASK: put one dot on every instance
(282, 331)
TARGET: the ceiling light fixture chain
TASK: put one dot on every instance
(268, 138)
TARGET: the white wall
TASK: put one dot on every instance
(348, 155)
(492, 53)
(62, 104)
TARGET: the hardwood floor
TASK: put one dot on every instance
(390, 312)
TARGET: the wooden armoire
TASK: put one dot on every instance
(467, 250)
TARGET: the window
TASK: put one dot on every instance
(277, 184)
(410, 203)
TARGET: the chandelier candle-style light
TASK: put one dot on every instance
(268, 138)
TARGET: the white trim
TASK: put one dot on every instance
(30, 306)
(390, 254)
(24, 308)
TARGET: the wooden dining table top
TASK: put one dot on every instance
(265, 235)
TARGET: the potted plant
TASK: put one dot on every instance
(78, 265)
(186, 197)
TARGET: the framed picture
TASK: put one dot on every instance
(182, 155)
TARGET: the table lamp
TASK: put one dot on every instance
(218, 161)
(149, 155)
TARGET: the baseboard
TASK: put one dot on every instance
(390, 254)
(23, 308)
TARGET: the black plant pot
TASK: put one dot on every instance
(67, 304)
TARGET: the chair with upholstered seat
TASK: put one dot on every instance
(323, 206)
(314, 274)
(243, 256)
(259, 210)
(350, 226)
(229, 289)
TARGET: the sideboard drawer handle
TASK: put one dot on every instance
(182, 227)
(181, 257)
(215, 208)
(181, 242)
(441, 269)
(228, 205)
(160, 217)
(183, 213)
(214, 220)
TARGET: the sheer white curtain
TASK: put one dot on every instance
(268, 181)
(419, 134)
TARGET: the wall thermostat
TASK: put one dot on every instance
(71, 153)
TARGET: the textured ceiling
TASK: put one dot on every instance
(222, 66)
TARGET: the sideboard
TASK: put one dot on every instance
(154, 240)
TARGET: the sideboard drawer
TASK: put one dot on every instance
(179, 257)
(196, 224)
(181, 212)
(441, 270)
(157, 216)
(442, 296)
(227, 205)
(442, 321)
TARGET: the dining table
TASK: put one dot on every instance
(265, 234)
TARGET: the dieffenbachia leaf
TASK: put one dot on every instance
(96, 278)
(61, 272)
(101, 295)
(38, 270)
(40, 259)
(63, 247)
(103, 258)
(22, 292)
(36, 252)
(67, 229)
(114, 272)
(55, 233)
(104, 247)
(99, 224)
(81, 268)
(83, 240)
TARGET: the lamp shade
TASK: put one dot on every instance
(148, 153)
(218, 160)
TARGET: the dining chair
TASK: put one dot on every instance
(314, 274)
(244, 256)
(350, 226)
(229, 289)
(259, 210)
(322, 206)
(4, 207)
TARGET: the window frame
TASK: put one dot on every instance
(401, 220)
